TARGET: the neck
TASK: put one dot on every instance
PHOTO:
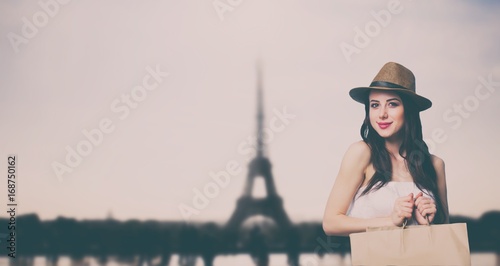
(392, 145)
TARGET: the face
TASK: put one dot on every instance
(386, 113)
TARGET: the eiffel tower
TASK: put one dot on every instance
(259, 167)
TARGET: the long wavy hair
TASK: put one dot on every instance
(413, 149)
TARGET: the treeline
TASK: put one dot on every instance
(101, 238)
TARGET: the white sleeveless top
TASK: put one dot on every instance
(380, 203)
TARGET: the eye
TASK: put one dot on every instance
(374, 105)
(393, 104)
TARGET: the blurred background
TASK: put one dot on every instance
(142, 117)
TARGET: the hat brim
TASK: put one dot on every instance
(360, 95)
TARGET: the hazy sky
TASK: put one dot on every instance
(68, 68)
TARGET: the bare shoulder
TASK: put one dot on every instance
(358, 152)
(359, 147)
(438, 163)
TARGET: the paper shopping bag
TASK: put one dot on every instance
(443, 244)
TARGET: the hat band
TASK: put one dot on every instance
(386, 84)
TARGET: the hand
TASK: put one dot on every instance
(403, 209)
(424, 206)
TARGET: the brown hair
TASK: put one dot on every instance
(417, 158)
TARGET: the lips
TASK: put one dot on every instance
(384, 125)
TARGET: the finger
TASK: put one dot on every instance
(406, 208)
(408, 214)
(426, 199)
(420, 194)
(418, 200)
(421, 207)
(428, 211)
(424, 206)
(423, 200)
(406, 199)
(406, 204)
(405, 212)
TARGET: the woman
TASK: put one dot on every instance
(389, 178)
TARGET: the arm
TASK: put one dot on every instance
(349, 178)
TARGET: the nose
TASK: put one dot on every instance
(382, 112)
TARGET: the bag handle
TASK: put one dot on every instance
(405, 222)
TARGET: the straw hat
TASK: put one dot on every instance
(392, 77)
